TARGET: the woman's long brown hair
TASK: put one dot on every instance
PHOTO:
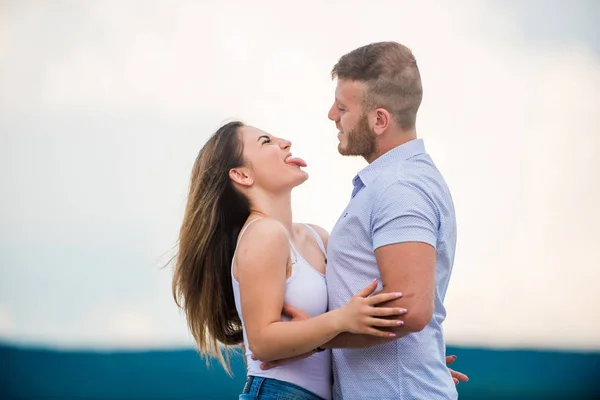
(214, 214)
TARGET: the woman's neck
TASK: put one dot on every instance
(278, 207)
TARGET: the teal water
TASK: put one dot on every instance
(35, 374)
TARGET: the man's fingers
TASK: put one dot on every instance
(367, 290)
(450, 359)
(268, 365)
(295, 313)
(289, 310)
(277, 363)
(455, 381)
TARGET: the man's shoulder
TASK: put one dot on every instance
(422, 175)
(409, 179)
(417, 168)
(412, 185)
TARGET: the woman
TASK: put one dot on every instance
(240, 257)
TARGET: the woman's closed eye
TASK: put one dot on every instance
(264, 139)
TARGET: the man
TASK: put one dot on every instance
(398, 227)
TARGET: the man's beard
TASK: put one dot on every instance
(360, 141)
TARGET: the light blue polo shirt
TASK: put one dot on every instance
(400, 197)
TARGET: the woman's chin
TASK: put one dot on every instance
(302, 178)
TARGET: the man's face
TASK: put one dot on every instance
(355, 135)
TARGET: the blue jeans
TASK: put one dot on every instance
(257, 388)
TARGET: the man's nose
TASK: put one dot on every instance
(333, 114)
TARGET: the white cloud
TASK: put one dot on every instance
(104, 107)
(133, 328)
(7, 325)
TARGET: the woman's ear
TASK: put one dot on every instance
(239, 176)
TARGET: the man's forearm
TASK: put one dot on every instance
(352, 341)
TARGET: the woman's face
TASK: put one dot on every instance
(268, 162)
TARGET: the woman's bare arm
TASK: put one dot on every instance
(261, 259)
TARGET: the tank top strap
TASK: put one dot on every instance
(294, 253)
(246, 227)
(240, 237)
(318, 239)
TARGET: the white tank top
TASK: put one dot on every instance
(306, 289)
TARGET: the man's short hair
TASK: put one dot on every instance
(391, 75)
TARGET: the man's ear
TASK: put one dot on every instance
(381, 120)
(239, 176)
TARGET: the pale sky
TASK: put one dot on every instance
(104, 106)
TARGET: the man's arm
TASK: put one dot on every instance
(408, 268)
(299, 315)
(404, 232)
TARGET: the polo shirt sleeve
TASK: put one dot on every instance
(404, 213)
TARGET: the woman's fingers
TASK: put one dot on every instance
(383, 297)
(384, 322)
(387, 311)
(459, 375)
(367, 290)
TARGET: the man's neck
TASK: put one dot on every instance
(389, 142)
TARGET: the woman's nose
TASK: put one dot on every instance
(285, 144)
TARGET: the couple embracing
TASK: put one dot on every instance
(353, 315)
